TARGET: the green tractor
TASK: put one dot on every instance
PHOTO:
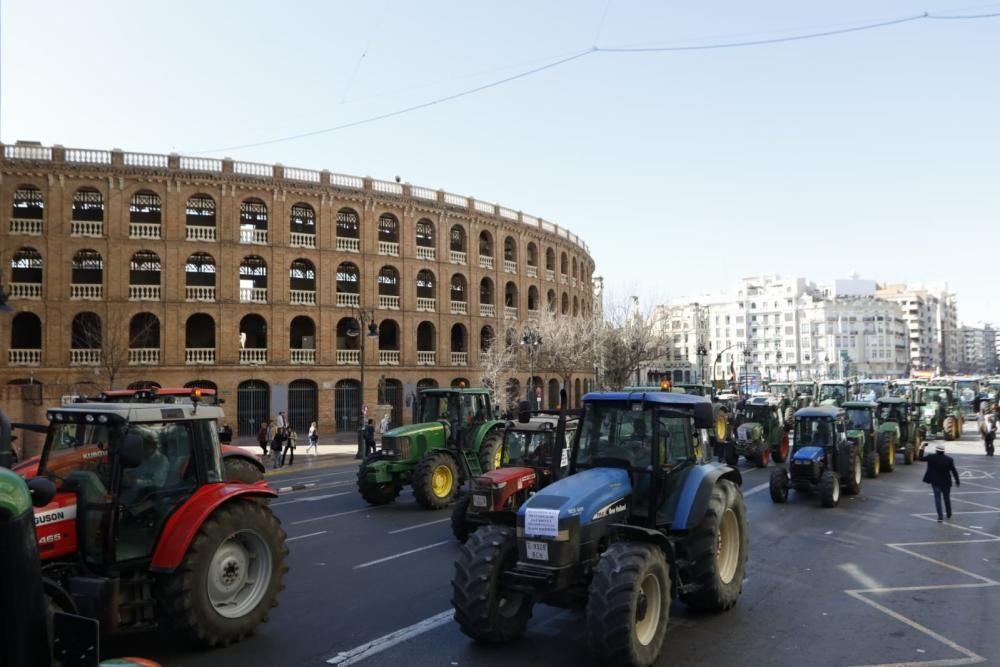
(878, 453)
(897, 430)
(722, 414)
(834, 392)
(456, 439)
(761, 434)
(940, 414)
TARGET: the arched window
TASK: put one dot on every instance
(144, 340)
(576, 393)
(26, 274)
(253, 221)
(253, 280)
(486, 338)
(459, 295)
(302, 283)
(532, 298)
(27, 213)
(388, 343)
(25, 340)
(348, 230)
(574, 267)
(565, 303)
(302, 340)
(388, 235)
(425, 239)
(388, 288)
(200, 218)
(199, 277)
(426, 291)
(253, 406)
(347, 405)
(563, 264)
(86, 340)
(576, 306)
(253, 339)
(87, 275)
(348, 340)
(510, 298)
(199, 339)
(550, 259)
(459, 345)
(486, 291)
(303, 405)
(486, 247)
(510, 249)
(457, 245)
(550, 299)
(144, 276)
(303, 226)
(144, 215)
(88, 205)
(348, 285)
(533, 255)
(426, 344)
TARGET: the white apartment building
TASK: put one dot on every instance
(932, 320)
(854, 336)
(979, 349)
(683, 329)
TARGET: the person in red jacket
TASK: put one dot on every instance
(940, 470)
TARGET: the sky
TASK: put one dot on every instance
(873, 152)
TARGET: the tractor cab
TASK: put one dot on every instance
(834, 392)
(784, 389)
(871, 390)
(823, 458)
(968, 392)
(863, 430)
(897, 424)
(940, 413)
(805, 391)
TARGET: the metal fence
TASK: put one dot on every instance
(303, 405)
(253, 406)
(394, 397)
(347, 405)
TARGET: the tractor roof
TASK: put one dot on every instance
(827, 411)
(871, 405)
(134, 412)
(664, 397)
(839, 383)
(892, 400)
(872, 381)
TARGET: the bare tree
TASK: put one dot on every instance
(114, 336)
(568, 344)
(497, 361)
(630, 340)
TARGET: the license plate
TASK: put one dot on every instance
(478, 501)
(537, 550)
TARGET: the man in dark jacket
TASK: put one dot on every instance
(940, 470)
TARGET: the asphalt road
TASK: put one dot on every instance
(875, 581)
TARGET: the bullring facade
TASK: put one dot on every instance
(250, 277)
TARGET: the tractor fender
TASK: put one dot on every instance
(186, 521)
(231, 451)
(697, 490)
(624, 531)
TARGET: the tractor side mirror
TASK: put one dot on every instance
(42, 489)
(131, 451)
(704, 417)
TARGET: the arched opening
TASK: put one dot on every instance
(486, 338)
(565, 303)
(563, 264)
(532, 298)
(303, 406)
(200, 213)
(86, 339)
(486, 298)
(25, 340)
(510, 249)
(144, 276)
(550, 259)
(26, 274)
(485, 244)
(144, 339)
(392, 395)
(553, 394)
(576, 306)
(458, 295)
(253, 221)
(348, 230)
(460, 382)
(576, 393)
(253, 406)
(348, 285)
(144, 215)
(426, 344)
(510, 298)
(388, 343)
(425, 239)
(536, 388)
(347, 405)
(348, 339)
(202, 384)
(573, 270)
(532, 254)
(426, 291)
(148, 385)
(199, 277)
(88, 205)
(253, 280)
(302, 225)
(199, 339)
(388, 288)
(253, 339)
(302, 340)
(459, 345)
(513, 386)
(550, 299)
(27, 212)
(388, 235)
(302, 282)
(457, 243)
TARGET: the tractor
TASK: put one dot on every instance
(897, 431)
(871, 390)
(143, 531)
(990, 395)
(968, 390)
(534, 454)
(878, 452)
(823, 458)
(760, 434)
(940, 413)
(456, 439)
(638, 520)
(723, 412)
(834, 392)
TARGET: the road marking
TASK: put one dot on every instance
(969, 502)
(331, 516)
(400, 555)
(419, 525)
(302, 537)
(311, 499)
(756, 489)
(854, 571)
(983, 486)
(376, 646)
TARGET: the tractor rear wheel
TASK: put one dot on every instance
(721, 430)
(779, 485)
(789, 415)
(949, 428)
(887, 451)
(375, 493)
(459, 525)
(230, 578)
(908, 453)
(628, 605)
(435, 481)
(873, 464)
(780, 451)
(829, 489)
(763, 456)
(483, 610)
(717, 551)
(238, 469)
(490, 452)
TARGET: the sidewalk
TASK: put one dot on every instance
(338, 450)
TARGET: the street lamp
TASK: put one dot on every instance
(365, 318)
(746, 369)
(718, 359)
(531, 340)
(702, 353)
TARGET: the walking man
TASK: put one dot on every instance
(940, 470)
(370, 437)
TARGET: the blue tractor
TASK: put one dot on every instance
(643, 516)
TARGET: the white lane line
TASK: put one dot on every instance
(331, 516)
(756, 489)
(400, 555)
(969, 502)
(419, 525)
(302, 537)
(311, 499)
(375, 646)
(855, 572)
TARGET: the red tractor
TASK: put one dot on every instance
(144, 531)
(533, 453)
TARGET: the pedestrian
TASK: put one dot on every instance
(313, 439)
(289, 446)
(263, 436)
(370, 437)
(940, 470)
(277, 443)
(988, 427)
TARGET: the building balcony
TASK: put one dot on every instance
(253, 295)
(302, 356)
(388, 357)
(425, 358)
(388, 248)
(550, 274)
(348, 299)
(426, 305)
(388, 301)
(143, 230)
(85, 357)
(144, 356)
(143, 292)
(253, 236)
(563, 279)
(486, 262)
(300, 240)
(26, 226)
(510, 312)
(487, 310)
(86, 228)
(459, 358)
(531, 271)
(457, 257)
(509, 266)
(348, 357)
(253, 355)
(347, 244)
(302, 297)
(199, 233)
(25, 290)
(24, 357)
(459, 308)
(87, 292)
(198, 293)
(195, 356)
(423, 252)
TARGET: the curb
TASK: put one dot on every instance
(309, 467)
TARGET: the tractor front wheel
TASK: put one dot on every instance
(873, 464)
(230, 577)
(717, 551)
(435, 481)
(908, 453)
(949, 428)
(490, 451)
(239, 469)
(829, 489)
(375, 493)
(628, 605)
(483, 610)
(779, 485)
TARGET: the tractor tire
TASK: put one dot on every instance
(628, 605)
(887, 451)
(483, 611)
(762, 457)
(732, 458)
(721, 430)
(460, 527)
(375, 493)
(230, 578)
(789, 415)
(780, 451)
(949, 428)
(489, 452)
(238, 469)
(873, 464)
(779, 486)
(852, 483)
(829, 489)
(435, 481)
(908, 453)
(717, 551)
